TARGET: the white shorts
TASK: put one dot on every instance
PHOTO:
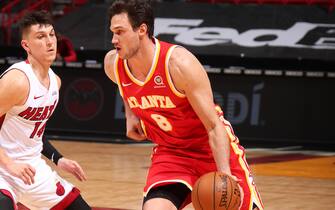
(48, 190)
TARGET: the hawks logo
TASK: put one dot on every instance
(83, 99)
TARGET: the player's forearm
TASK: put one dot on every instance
(50, 151)
(129, 114)
(219, 144)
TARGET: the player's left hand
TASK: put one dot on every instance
(72, 167)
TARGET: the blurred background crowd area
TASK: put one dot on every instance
(271, 64)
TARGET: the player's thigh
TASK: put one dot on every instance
(6, 200)
(171, 168)
(159, 203)
(171, 196)
(7, 191)
(79, 203)
(48, 190)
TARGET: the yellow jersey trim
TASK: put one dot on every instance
(168, 76)
(143, 128)
(168, 181)
(254, 194)
(116, 73)
(152, 69)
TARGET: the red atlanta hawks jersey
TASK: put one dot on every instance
(167, 117)
(22, 127)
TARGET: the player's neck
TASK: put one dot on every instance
(140, 64)
(39, 68)
(41, 71)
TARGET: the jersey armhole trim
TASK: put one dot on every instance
(116, 74)
(168, 75)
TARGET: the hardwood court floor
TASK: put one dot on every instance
(286, 180)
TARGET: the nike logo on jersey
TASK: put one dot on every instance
(126, 84)
(36, 97)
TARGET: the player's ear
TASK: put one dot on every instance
(25, 46)
(143, 29)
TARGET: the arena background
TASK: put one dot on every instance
(271, 66)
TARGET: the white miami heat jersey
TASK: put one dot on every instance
(22, 127)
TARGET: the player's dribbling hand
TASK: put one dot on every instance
(72, 167)
(228, 172)
(134, 129)
(23, 171)
(136, 133)
(238, 180)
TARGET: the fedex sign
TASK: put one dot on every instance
(299, 35)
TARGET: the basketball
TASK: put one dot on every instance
(216, 191)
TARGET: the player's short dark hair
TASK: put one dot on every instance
(32, 18)
(138, 11)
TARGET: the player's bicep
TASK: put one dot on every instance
(192, 80)
(14, 88)
(201, 99)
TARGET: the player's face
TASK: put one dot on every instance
(125, 38)
(40, 42)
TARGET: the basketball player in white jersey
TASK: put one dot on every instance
(28, 97)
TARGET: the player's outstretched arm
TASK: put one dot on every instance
(63, 163)
(14, 88)
(72, 167)
(190, 78)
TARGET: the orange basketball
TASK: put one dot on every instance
(216, 191)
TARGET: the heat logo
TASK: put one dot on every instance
(83, 99)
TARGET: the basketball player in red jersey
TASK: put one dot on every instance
(168, 100)
(28, 97)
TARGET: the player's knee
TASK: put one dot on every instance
(79, 203)
(6, 202)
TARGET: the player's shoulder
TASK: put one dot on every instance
(182, 61)
(15, 79)
(181, 56)
(109, 60)
(15, 76)
(110, 57)
(109, 64)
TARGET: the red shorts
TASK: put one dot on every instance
(169, 167)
